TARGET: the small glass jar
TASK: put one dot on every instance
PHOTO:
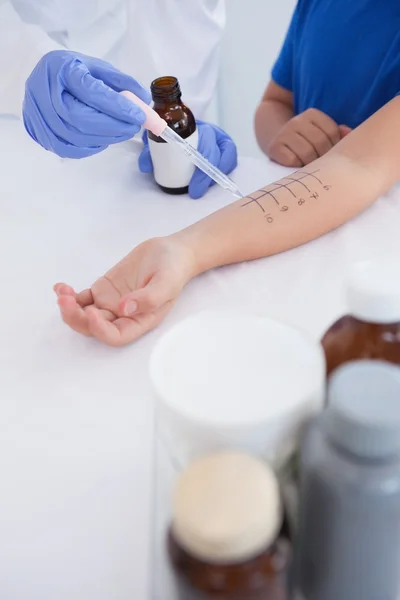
(372, 329)
(225, 539)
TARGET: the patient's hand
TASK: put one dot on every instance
(133, 297)
(305, 138)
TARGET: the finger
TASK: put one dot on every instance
(116, 333)
(228, 150)
(229, 159)
(145, 162)
(88, 125)
(65, 146)
(302, 148)
(148, 299)
(62, 289)
(119, 81)
(208, 147)
(316, 137)
(281, 153)
(106, 314)
(73, 315)
(58, 137)
(65, 149)
(325, 124)
(344, 130)
(123, 330)
(84, 298)
(93, 92)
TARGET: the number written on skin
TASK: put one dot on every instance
(289, 191)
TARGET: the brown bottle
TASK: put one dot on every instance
(372, 329)
(224, 541)
(173, 170)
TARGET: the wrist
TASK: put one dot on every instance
(199, 251)
(271, 116)
(213, 242)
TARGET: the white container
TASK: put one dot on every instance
(228, 380)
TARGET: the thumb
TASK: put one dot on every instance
(119, 82)
(147, 299)
(145, 163)
(95, 93)
(344, 130)
(208, 147)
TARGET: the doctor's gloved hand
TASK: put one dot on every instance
(72, 105)
(216, 145)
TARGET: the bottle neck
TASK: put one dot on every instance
(166, 91)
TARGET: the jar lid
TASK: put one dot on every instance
(363, 415)
(373, 292)
(226, 508)
(223, 379)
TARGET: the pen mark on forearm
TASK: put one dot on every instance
(251, 200)
(312, 174)
(299, 180)
(277, 191)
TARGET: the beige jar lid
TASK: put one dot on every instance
(226, 508)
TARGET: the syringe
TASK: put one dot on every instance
(160, 128)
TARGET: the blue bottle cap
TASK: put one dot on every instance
(363, 414)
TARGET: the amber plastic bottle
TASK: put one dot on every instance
(172, 169)
(224, 542)
(372, 329)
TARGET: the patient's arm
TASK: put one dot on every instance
(274, 111)
(135, 295)
(327, 193)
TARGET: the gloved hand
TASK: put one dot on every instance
(72, 107)
(214, 144)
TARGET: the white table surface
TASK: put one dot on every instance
(76, 417)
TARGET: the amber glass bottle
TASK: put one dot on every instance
(172, 169)
(224, 542)
(371, 330)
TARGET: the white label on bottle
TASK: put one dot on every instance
(172, 167)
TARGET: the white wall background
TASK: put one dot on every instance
(254, 33)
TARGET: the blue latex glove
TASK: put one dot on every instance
(214, 144)
(72, 107)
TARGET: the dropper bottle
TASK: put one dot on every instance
(159, 128)
(173, 170)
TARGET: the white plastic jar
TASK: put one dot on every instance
(227, 380)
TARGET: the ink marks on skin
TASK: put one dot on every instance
(290, 192)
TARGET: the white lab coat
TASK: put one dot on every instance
(145, 38)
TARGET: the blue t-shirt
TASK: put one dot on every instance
(342, 57)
